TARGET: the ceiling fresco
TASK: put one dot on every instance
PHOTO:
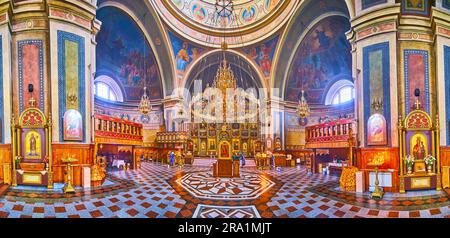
(123, 53)
(323, 57)
(250, 23)
(246, 12)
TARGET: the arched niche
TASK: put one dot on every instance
(205, 70)
(146, 19)
(309, 14)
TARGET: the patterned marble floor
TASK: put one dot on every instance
(157, 191)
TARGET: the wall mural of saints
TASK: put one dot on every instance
(124, 54)
(322, 58)
(376, 130)
(73, 126)
(263, 55)
(33, 145)
(419, 145)
(416, 7)
(184, 52)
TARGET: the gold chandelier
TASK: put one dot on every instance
(224, 78)
(144, 106)
(303, 110)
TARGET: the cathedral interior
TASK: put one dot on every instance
(225, 108)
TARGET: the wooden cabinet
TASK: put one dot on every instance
(446, 176)
(226, 168)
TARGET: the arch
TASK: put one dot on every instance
(335, 87)
(115, 87)
(155, 36)
(309, 13)
(250, 68)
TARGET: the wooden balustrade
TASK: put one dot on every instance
(116, 130)
(334, 134)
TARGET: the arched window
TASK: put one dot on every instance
(343, 95)
(104, 91)
(106, 88)
(342, 91)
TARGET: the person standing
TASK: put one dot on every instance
(172, 158)
(242, 158)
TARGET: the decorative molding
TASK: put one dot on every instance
(62, 37)
(31, 24)
(71, 17)
(444, 31)
(39, 44)
(376, 29)
(384, 47)
(416, 36)
(424, 53)
(2, 18)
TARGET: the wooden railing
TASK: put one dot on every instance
(334, 134)
(172, 137)
(115, 130)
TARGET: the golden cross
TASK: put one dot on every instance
(417, 104)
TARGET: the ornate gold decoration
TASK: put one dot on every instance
(348, 178)
(224, 78)
(32, 102)
(377, 104)
(377, 161)
(72, 99)
(68, 188)
(303, 110)
(144, 106)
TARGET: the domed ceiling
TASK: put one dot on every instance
(251, 20)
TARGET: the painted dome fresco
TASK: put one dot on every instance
(202, 22)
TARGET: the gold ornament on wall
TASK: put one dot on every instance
(72, 99)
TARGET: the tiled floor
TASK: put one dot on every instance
(159, 191)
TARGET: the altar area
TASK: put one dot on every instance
(31, 148)
(420, 167)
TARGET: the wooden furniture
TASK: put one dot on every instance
(446, 177)
(188, 158)
(226, 168)
(262, 161)
(334, 134)
(31, 148)
(117, 132)
(280, 159)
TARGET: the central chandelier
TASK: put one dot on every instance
(145, 106)
(224, 78)
(303, 110)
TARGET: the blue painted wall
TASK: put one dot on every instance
(370, 3)
(447, 89)
(62, 38)
(384, 47)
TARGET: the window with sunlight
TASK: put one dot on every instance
(343, 95)
(104, 91)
